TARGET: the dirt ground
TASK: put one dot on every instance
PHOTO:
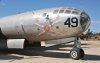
(53, 54)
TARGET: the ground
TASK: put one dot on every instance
(53, 54)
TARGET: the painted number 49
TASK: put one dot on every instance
(71, 22)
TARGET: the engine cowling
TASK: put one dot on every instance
(15, 43)
(12, 43)
(19, 44)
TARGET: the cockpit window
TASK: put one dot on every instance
(61, 11)
(56, 11)
(67, 11)
(75, 12)
(85, 19)
(84, 15)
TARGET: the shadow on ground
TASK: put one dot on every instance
(45, 52)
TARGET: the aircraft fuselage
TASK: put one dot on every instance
(42, 25)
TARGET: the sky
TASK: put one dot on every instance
(91, 7)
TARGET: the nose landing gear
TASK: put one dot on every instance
(77, 52)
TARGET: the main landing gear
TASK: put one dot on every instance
(77, 52)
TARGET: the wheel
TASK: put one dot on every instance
(82, 53)
(76, 53)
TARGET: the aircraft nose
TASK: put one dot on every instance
(84, 21)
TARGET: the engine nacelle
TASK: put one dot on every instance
(19, 44)
(15, 43)
(12, 44)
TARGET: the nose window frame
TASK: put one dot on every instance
(75, 12)
(61, 11)
(55, 11)
(67, 11)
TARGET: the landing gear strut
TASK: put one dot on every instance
(77, 52)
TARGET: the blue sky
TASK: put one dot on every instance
(92, 8)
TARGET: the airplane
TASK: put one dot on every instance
(31, 28)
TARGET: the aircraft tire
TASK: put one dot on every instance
(76, 53)
(82, 53)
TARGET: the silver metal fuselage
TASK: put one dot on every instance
(34, 26)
